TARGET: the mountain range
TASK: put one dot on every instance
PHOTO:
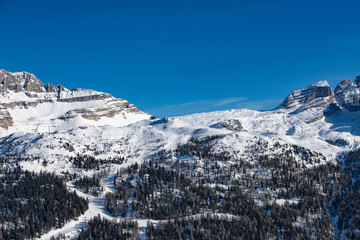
(297, 165)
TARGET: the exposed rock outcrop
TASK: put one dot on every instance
(21, 81)
(318, 94)
(5, 118)
(315, 119)
(160, 121)
(230, 124)
(342, 86)
(347, 94)
(50, 87)
(97, 113)
(23, 90)
(332, 109)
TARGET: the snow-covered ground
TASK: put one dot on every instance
(139, 141)
(48, 140)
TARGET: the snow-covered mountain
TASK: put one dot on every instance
(49, 121)
(27, 105)
(48, 128)
(348, 94)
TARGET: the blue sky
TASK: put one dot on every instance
(179, 57)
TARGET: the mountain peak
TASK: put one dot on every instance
(347, 94)
(357, 81)
(318, 94)
(322, 83)
(25, 99)
(19, 81)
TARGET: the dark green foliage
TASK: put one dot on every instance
(101, 228)
(268, 191)
(89, 184)
(159, 193)
(35, 203)
(87, 162)
(346, 203)
(272, 176)
(208, 227)
(311, 191)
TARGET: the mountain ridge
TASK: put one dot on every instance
(43, 110)
(295, 159)
(21, 91)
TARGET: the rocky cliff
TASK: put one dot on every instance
(318, 94)
(347, 94)
(22, 91)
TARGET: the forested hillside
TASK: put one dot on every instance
(32, 204)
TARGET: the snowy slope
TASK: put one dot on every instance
(27, 105)
(43, 131)
(138, 141)
(52, 124)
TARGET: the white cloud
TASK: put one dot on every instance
(196, 106)
(213, 105)
(260, 105)
(226, 101)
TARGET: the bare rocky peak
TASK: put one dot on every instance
(50, 88)
(318, 94)
(347, 94)
(36, 90)
(229, 124)
(357, 81)
(20, 81)
(24, 90)
(342, 86)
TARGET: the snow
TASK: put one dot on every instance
(323, 83)
(45, 117)
(137, 139)
(39, 133)
(96, 207)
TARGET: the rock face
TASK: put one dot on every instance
(160, 121)
(5, 118)
(18, 82)
(230, 124)
(22, 90)
(318, 94)
(347, 94)
(332, 109)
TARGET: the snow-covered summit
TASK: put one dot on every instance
(318, 94)
(322, 83)
(51, 128)
(348, 94)
(50, 121)
(26, 104)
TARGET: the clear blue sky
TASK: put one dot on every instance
(179, 57)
